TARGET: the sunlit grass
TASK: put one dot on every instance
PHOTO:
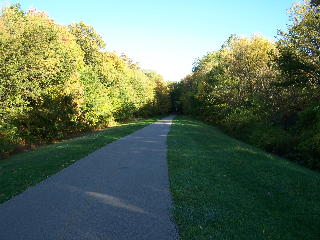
(225, 189)
(23, 170)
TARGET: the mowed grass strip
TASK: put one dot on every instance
(24, 170)
(225, 189)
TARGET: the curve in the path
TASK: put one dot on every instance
(119, 192)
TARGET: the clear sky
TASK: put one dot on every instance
(168, 35)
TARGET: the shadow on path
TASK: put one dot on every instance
(120, 191)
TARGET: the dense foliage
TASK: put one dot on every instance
(58, 80)
(262, 92)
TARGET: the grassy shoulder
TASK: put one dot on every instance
(23, 170)
(225, 189)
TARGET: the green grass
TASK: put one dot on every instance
(23, 170)
(225, 189)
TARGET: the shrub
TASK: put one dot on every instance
(271, 138)
(308, 128)
(246, 125)
(52, 117)
(240, 122)
(8, 140)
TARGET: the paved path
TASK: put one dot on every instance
(118, 192)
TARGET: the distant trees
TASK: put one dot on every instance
(263, 92)
(56, 80)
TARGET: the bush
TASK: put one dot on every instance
(52, 117)
(8, 140)
(246, 125)
(309, 151)
(240, 122)
(271, 138)
(308, 128)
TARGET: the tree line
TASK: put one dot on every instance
(263, 92)
(58, 80)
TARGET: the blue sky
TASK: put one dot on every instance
(167, 36)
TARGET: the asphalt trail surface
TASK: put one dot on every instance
(120, 191)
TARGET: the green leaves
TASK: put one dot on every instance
(57, 80)
(300, 46)
(89, 41)
(260, 91)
